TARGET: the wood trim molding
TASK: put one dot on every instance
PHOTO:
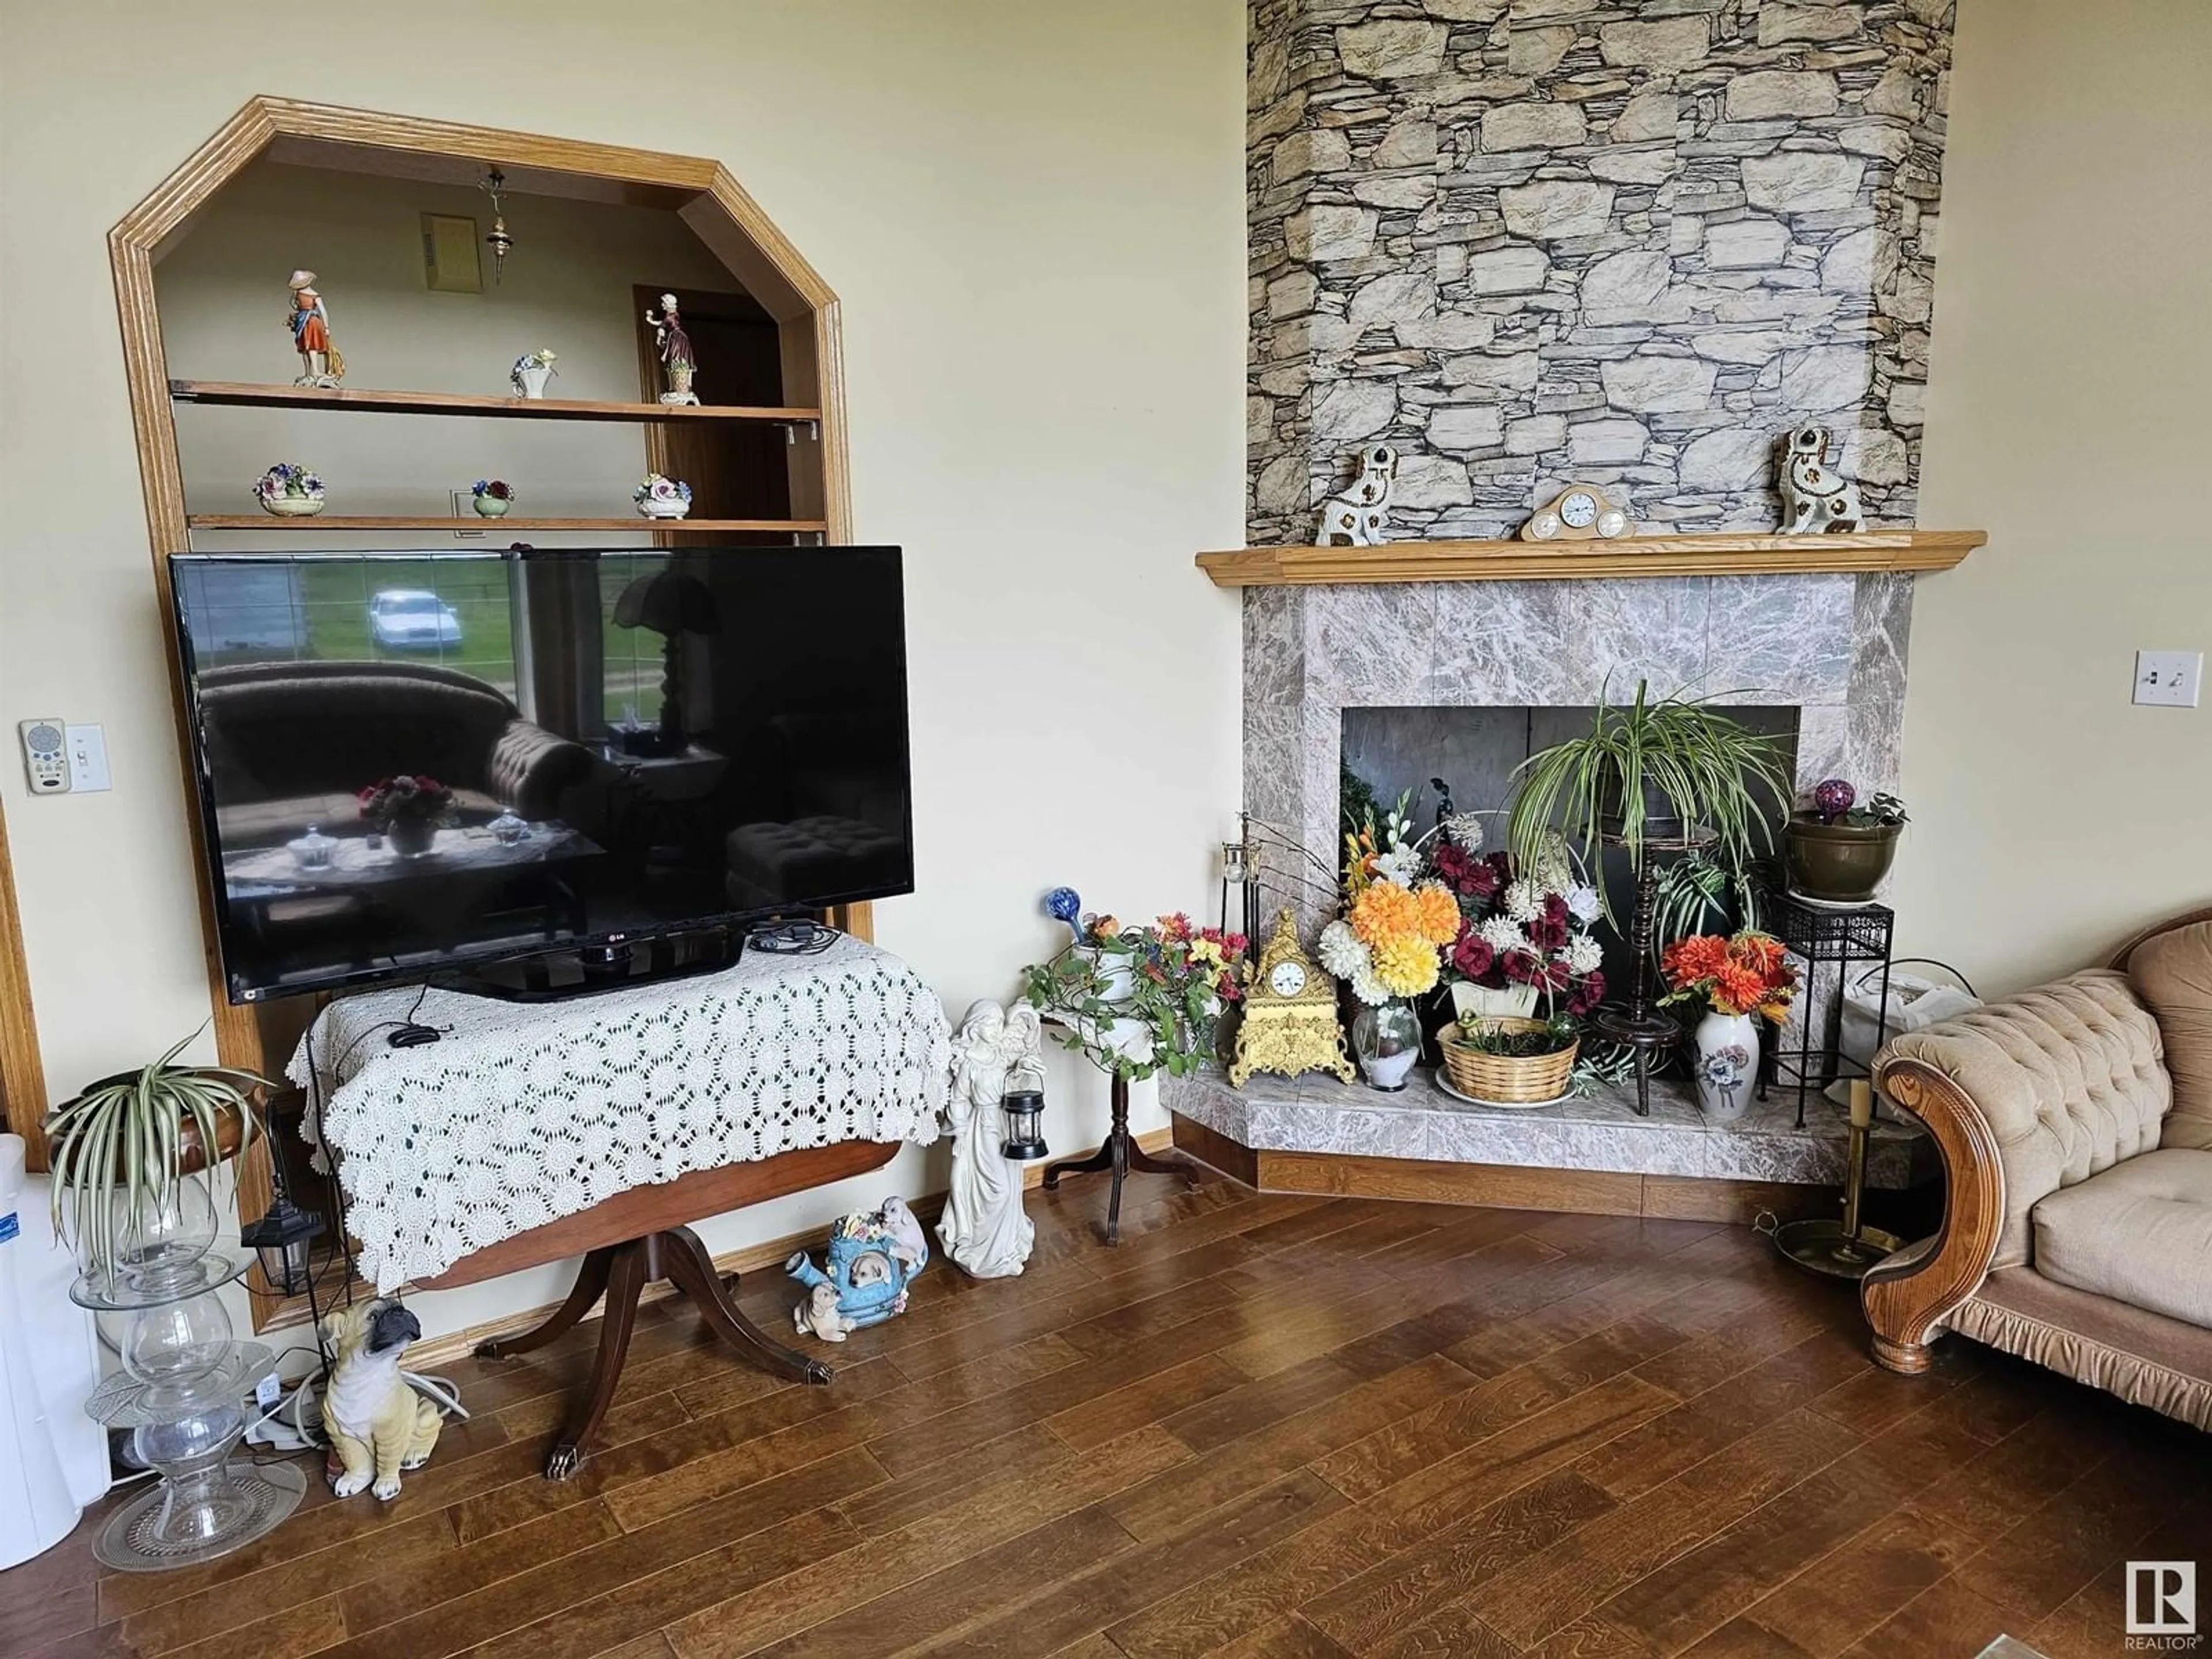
(1637, 556)
(1909, 1295)
(23, 1071)
(701, 191)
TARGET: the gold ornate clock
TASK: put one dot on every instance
(1290, 1023)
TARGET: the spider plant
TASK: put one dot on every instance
(1694, 895)
(1643, 765)
(120, 1151)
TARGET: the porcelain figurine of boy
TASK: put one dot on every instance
(676, 355)
(320, 361)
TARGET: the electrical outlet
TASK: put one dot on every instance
(2168, 678)
(88, 759)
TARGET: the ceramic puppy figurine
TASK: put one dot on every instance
(377, 1425)
(817, 1316)
(1360, 512)
(1815, 497)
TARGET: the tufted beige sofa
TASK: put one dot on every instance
(2075, 1126)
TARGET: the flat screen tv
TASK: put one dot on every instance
(414, 761)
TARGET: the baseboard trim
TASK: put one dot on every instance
(751, 1258)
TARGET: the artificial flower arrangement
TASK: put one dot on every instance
(1747, 974)
(407, 798)
(1388, 943)
(288, 490)
(1522, 934)
(493, 497)
(531, 364)
(1136, 1000)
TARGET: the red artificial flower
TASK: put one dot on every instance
(1549, 932)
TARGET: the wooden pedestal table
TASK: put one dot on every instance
(633, 1239)
(1120, 1153)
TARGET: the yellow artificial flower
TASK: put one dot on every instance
(1206, 950)
(1407, 965)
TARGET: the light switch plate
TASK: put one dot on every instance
(88, 759)
(2168, 678)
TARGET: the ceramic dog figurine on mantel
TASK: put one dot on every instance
(1360, 514)
(1815, 497)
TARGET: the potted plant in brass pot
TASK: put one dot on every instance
(1838, 850)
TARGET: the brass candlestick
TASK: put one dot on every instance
(1844, 1249)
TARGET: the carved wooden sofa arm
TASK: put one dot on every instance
(1908, 1297)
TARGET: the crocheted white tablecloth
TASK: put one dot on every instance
(523, 1113)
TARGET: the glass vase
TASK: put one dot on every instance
(1386, 1039)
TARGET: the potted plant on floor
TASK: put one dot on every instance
(1838, 851)
(124, 1152)
(1652, 769)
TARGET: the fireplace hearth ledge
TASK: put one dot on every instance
(1317, 1114)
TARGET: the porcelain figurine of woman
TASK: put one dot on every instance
(320, 361)
(983, 1227)
(676, 355)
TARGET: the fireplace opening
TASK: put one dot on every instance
(1392, 751)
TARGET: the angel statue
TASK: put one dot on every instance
(320, 362)
(676, 354)
(983, 1227)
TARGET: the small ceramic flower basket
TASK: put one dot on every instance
(287, 491)
(662, 498)
(1510, 1080)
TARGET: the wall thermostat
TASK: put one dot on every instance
(45, 759)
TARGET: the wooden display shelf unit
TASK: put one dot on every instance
(1634, 556)
(426, 521)
(247, 394)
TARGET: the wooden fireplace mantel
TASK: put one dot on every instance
(1635, 555)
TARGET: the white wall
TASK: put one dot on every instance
(1034, 215)
(2067, 415)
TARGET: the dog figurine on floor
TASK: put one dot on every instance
(817, 1316)
(1360, 514)
(1815, 497)
(378, 1425)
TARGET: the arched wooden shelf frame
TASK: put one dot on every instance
(699, 191)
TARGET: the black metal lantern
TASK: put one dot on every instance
(284, 1240)
(1024, 1109)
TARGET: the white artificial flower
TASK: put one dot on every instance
(1584, 954)
(1340, 951)
(1464, 831)
(1502, 934)
(1401, 864)
(1524, 900)
(1367, 987)
(1583, 903)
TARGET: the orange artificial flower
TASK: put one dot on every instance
(1384, 910)
(1760, 951)
(1738, 989)
(1701, 956)
(1436, 912)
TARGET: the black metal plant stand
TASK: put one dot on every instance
(1649, 1034)
(1120, 1153)
(1838, 940)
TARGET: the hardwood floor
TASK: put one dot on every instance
(1264, 1428)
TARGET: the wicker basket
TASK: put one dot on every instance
(1514, 1080)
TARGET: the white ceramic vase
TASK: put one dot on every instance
(1493, 1002)
(1129, 1038)
(1726, 1064)
(531, 381)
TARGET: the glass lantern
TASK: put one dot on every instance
(1024, 1110)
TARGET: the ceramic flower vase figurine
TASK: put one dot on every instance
(287, 491)
(996, 1053)
(1734, 978)
(493, 497)
(1386, 1039)
(871, 1257)
(677, 358)
(662, 498)
(529, 375)
(321, 363)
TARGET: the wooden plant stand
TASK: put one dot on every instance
(1120, 1153)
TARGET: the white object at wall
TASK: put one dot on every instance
(49, 1364)
(984, 1228)
(2168, 678)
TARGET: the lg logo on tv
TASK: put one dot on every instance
(2162, 1607)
